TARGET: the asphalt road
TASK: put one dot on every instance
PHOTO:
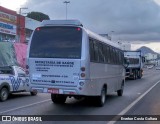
(141, 97)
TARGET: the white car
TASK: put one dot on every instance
(149, 67)
(13, 79)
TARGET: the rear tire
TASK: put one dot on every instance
(139, 74)
(58, 99)
(120, 92)
(4, 93)
(102, 98)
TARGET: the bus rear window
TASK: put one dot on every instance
(56, 42)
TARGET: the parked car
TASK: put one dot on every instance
(13, 79)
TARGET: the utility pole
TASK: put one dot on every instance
(66, 2)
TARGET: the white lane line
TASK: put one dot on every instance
(114, 120)
(24, 106)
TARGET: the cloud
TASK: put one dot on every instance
(132, 20)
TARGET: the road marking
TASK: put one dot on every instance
(114, 120)
(24, 106)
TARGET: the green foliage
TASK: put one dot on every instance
(38, 16)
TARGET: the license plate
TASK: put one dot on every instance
(52, 90)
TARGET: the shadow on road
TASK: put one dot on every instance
(18, 95)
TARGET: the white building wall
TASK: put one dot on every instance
(124, 45)
(31, 23)
(150, 56)
(158, 62)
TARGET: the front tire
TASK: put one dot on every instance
(58, 99)
(4, 93)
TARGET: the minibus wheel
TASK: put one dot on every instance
(120, 92)
(58, 99)
(102, 98)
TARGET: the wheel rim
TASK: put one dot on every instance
(4, 94)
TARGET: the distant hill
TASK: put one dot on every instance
(146, 50)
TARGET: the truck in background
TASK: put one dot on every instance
(136, 63)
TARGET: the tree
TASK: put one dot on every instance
(38, 16)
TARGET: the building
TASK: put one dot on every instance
(151, 59)
(125, 46)
(157, 62)
(150, 56)
(8, 24)
(15, 27)
(30, 25)
(106, 36)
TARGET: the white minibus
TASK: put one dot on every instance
(65, 59)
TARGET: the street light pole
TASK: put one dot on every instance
(66, 2)
(19, 23)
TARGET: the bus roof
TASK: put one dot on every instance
(77, 23)
(61, 22)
